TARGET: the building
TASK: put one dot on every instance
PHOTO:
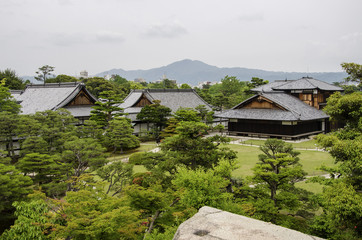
(51, 96)
(139, 80)
(288, 109)
(84, 74)
(171, 98)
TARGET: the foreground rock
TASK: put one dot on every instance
(211, 223)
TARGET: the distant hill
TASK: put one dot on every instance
(193, 72)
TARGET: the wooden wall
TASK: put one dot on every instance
(142, 102)
(313, 99)
(274, 127)
(81, 99)
(260, 103)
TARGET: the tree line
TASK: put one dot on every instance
(62, 185)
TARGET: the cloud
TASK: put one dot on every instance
(167, 30)
(353, 37)
(65, 2)
(71, 39)
(67, 39)
(108, 36)
(256, 17)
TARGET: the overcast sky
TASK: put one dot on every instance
(98, 35)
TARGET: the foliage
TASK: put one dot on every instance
(14, 186)
(185, 86)
(106, 108)
(192, 150)
(88, 214)
(354, 71)
(170, 129)
(83, 153)
(156, 114)
(43, 73)
(342, 213)
(7, 102)
(117, 174)
(347, 108)
(31, 219)
(346, 152)
(279, 169)
(165, 83)
(97, 85)
(256, 82)
(43, 169)
(56, 128)
(8, 132)
(187, 114)
(226, 94)
(61, 78)
(205, 115)
(12, 80)
(200, 188)
(119, 135)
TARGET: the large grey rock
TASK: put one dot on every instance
(211, 224)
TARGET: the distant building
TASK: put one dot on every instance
(51, 96)
(288, 109)
(84, 74)
(139, 80)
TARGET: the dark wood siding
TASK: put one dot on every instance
(81, 99)
(274, 127)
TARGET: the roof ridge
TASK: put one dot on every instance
(311, 82)
(129, 94)
(50, 85)
(193, 90)
(65, 100)
(298, 114)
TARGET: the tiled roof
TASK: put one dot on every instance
(307, 83)
(269, 87)
(51, 96)
(80, 111)
(172, 98)
(296, 110)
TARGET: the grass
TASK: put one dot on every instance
(309, 186)
(247, 157)
(144, 147)
(311, 144)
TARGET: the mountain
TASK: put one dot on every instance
(193, 72)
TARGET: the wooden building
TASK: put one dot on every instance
(287, 109)
(51, 96)
(171, 98)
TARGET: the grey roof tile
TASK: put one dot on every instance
(307, 83)
(172, 98)
(80, 111)
(296, 110)
(269, 87)
(40, 97)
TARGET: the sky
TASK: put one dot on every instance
(99, 35)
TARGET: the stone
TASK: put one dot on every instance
(213, 224)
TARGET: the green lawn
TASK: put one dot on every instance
(309, 186)
(144, 147)
(248, 157)
(311, 144)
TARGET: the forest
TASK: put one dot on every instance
(71, 181)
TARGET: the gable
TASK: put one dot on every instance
(82, 98)
(259, 102)
(142, 101)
